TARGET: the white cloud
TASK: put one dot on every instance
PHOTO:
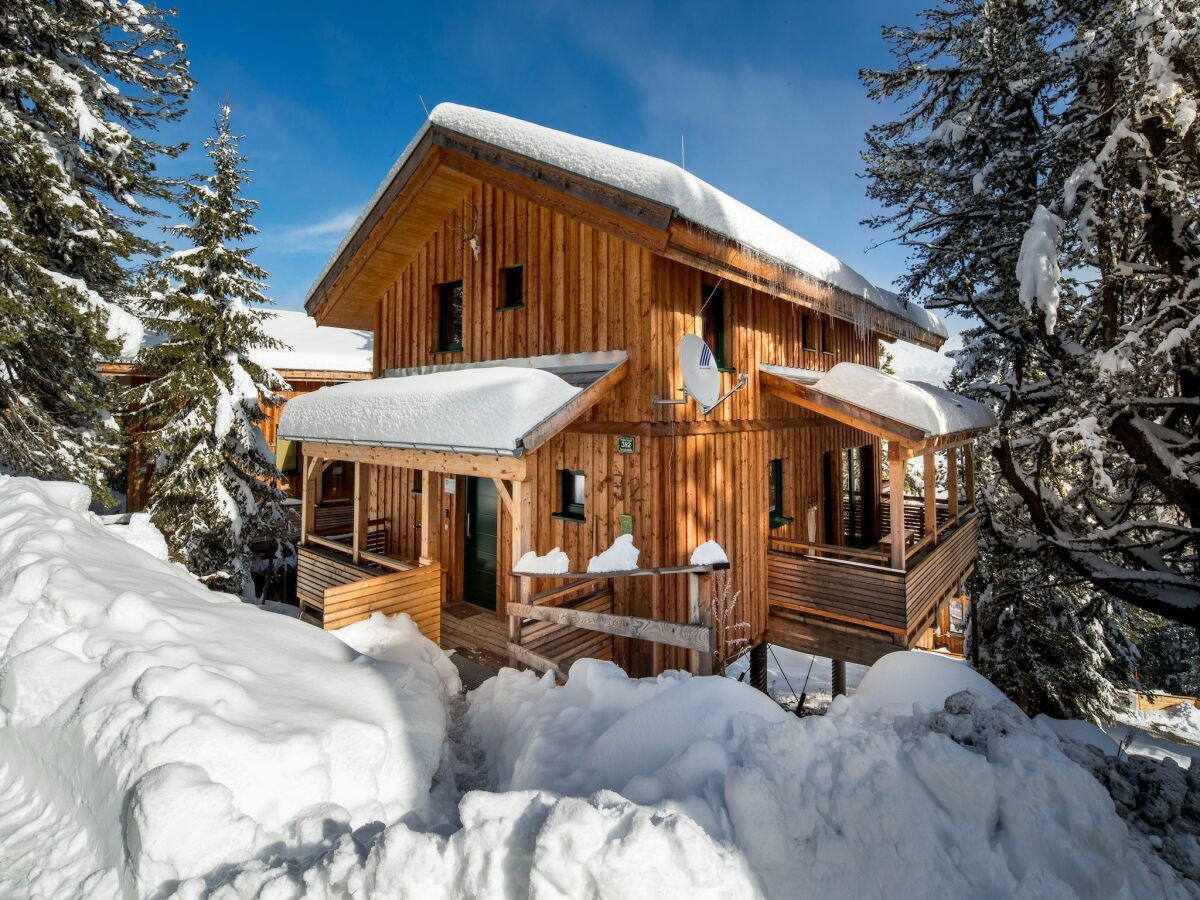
(321, 236)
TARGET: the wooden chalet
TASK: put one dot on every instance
(312, 357)
(505, 263)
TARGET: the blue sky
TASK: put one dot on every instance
(766, 96)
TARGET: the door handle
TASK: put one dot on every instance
(468, 524)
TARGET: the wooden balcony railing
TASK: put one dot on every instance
(858, 587)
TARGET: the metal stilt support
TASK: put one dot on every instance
(838, 676)
(758, 668)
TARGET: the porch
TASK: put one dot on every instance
(894, 572)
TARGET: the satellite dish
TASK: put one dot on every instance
(699, 370)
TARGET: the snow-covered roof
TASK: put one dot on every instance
(653, 179)
(488, 408)
(309, 346)
(922, 408)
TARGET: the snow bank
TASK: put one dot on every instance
(485, 409)
(182, 730)
(621, 556)
(972, 799)
(900, 680)
(553, 563)
(710, 553)
(931, 409)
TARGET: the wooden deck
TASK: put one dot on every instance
(858, 609)
(481, 636)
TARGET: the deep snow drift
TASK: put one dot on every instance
(168, 741)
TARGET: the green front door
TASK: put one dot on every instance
(479, 556)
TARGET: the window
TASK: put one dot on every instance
(450, 315)
(512, 287)
(572, 494)
(775, 493)
(807, 338)
(859, 503)
(712, 323)
(826, 335)
(418, 484)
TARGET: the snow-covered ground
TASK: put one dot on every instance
(159, 740)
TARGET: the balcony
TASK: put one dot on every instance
(838, 600)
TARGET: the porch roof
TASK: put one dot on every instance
(919, 415)
(496, 408)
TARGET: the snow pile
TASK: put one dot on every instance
(486, 409)
(926, 407)
(1037, 266)
(620, 557)
(553, 563)
(968, 799)
(710, 553)
(166, 731)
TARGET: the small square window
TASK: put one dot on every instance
(450, 315)
(512, 287)
(572, 495)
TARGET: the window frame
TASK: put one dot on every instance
(712, 313)
(806, 332)
(775, 516)
(445, 294)
(504, 285)
(568, 509)
(826, 335)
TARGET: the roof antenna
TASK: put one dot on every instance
(423, 106)
(682, 155)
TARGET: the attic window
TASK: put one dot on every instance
(712, 322)
(450, 315)
(512, 288)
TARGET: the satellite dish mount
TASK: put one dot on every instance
(701, 377)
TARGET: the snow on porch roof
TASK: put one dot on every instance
(498, 408)
(653, 179)
(913, 411)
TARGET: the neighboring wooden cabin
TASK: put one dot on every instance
(496, 240)
(313, 357)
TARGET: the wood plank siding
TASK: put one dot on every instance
(692, 478)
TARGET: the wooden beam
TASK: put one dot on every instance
(308, 495)
(521, 516)
(952, 483)
(969, 473)
(431, 518)
(531, 660)
(504, 493)
(897, 464)
(627, 573)
(574, 408)
(930, 491)
(447, 461)
(675, 634)
(358, 540)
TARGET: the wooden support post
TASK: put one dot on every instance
(694, 618)
(952, 483)
(837, 672)
(522, 542)
(896, 470)
(931, 496)
(308, 495)
(969, 473)
(707, 660)
(358, 541)
(431, 520)
(758, 667)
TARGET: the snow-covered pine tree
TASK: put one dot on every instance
(997, 95)
(81, 86)
(215, 483)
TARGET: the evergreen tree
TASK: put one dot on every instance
(81, 85)
(215, 484)
(1044, 138)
